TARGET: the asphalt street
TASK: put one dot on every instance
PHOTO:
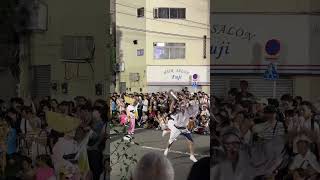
(151, 140)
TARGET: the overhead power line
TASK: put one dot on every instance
(163, 33)
(208, 26)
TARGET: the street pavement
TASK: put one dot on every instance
(152, 141)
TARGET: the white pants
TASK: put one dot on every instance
(175, 132)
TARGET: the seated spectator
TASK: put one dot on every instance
(144, 118)
(304, 164)
(236, 165)
(205, 110)
(153, 166)
(203, 126)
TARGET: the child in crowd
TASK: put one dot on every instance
(144, 118)
(27, 172)
(203, 126)
(123, 118)
(44, 170)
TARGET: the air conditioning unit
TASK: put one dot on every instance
(119, 67)
(155, 13)
(134, 77)
(79, 49)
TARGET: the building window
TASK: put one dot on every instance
(177, 13)
(170, 13)
(140, 12)
(163, 13)
(169, 51)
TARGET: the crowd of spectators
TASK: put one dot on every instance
(32, 150)
(152, 110)
(260, 138)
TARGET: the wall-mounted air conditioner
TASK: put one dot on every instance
(134, 77)
(119, 67)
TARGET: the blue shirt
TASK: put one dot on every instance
(12, 141)
(113, 106)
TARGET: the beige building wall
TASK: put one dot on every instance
(191, 30)
(148, 30)
(129, 29)
(74, 17)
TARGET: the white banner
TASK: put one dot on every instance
(177, 75)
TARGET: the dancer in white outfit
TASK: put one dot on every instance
(178, 125)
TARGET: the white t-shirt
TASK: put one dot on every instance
(145, 105)
(302, 124)
(182, 119)
(63, 147)
(25, 125)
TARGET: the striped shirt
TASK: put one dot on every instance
(267, 131)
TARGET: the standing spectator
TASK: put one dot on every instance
(286, 102)
(298, 100)
(13, 116)
(271, 128)
(131, 117)
(139, 109)
(145, 104)
(113, 106)
(54, 105)
(261, 104)
(244, 95)
(95, 155)
(30, 126)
